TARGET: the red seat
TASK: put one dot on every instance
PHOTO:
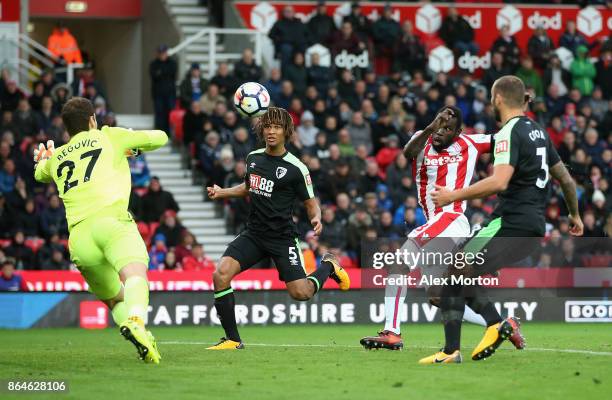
(176, 124)
(35, 244)
(141, 191)
(597, 261)
(5, 243)
(145, 232)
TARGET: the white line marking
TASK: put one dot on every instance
(574, 351)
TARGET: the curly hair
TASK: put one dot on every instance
(275, 116)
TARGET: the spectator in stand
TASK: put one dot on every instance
(385, 33)
(225, 81)
(345, 40)
(46, 114)
(183, 249)
(57, 262)
(9, 280)
(307, 132)
(209, 155)
(361, 24)
(53, 219)
(193, 122)
(28, 220)
(604, 70)
(289, 36)
(507, 46)
(6, 219)
(60, 94)
(556, 75)
(334, 232)
(598, 104)
(387, 155)
(198, 260)
(22, 254)
(321, 26)
(556, 131)
(540, 47)
(170, 262)
(496, 71)
(192, 86)
(141, 176)
(571, 38)
(10, 96)
(8, 176)
(408, 51)
(63, 45)
(296, 73)
(530, 76)
(457, 33)
(156, 201)
(318, 76)
(583, 71)
(209, 100)
(360, 132)
(274, 85)
(48, 80)
(37, 95)
(45, 252)
(246, 70)
(170, 228)
(163, 71)
(241, 143)
(84, 78)
(158, 251)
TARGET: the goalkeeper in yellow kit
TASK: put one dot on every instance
(93, 179)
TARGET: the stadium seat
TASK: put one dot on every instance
(144, 231)
(5, 243)
(176, 124)
(597, 261)
(34, 243)
(141, 191)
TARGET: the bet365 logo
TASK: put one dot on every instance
(259, 183)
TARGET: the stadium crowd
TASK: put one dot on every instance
(350, 128)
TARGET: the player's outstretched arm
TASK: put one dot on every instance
(498, 182)
(216, 192)
(126, 139)
(418, 141)
(314, 214)
(561, 174)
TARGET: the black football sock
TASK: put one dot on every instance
(321, 274)
(225, 303)
(452, 334)
(490, 314)
(452, 306)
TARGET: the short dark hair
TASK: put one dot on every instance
(275, 116)
(458, 117)
(512, 89)
(76, 113)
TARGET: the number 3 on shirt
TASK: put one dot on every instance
(68, 184)
(541, 183)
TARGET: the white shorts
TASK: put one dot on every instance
(445, 224)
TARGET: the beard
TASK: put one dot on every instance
(497, 114)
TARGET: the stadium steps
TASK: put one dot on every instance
(202, 218)
(190, 18)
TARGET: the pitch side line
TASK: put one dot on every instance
(574, 351)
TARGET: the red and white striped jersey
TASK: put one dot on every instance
(453, 168)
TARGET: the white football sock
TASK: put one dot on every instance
(470, 315)
(394, 299)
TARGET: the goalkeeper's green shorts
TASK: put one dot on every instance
(102, 245)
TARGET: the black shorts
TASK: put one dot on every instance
(248, 249)
(499, 246)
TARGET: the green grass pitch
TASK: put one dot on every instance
(562, 361)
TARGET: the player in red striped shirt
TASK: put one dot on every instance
(443, 155)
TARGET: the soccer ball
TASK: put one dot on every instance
(251, 99)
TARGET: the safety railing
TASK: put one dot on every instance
(212, 35)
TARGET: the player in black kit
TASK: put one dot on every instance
(524, 161)
(274, 179)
